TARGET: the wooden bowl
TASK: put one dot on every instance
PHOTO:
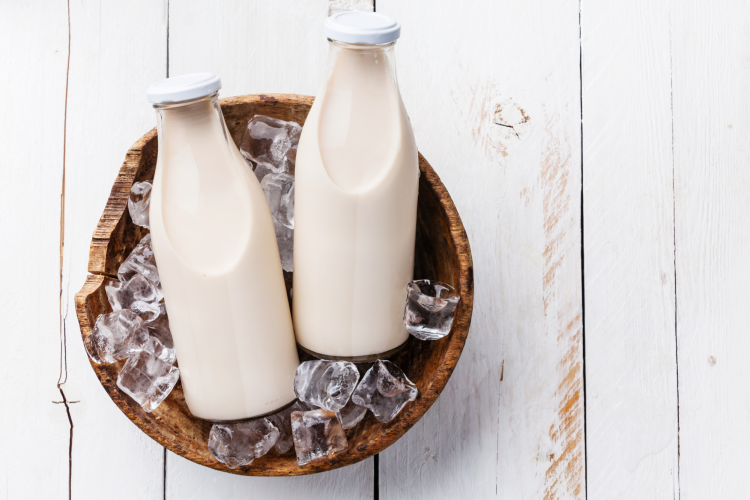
(442, 253)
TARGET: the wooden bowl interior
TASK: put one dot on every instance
(442, 253)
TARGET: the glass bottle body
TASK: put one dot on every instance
(356, 187)
(216, 252)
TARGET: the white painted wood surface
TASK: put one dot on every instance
(32, 417)
(494, 91)
(188, 480)
(117, 50)
(510, 422)
(631, 369)
(711, 79)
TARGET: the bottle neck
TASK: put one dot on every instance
(184, 122)
(199, 185)
(376, 64)
(189, 112)
(182, 104)
(360, 115)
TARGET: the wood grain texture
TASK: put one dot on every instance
(118, 49)
(111, 243)
(492, 89)
(442, 252)
(32, 415)
(189, 480)
(711, 78)
(631, 364)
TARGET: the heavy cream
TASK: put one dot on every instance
(357, 181)
(216, 252)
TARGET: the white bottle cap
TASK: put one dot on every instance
(362, 28)
(183, 88)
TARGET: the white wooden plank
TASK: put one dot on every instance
(336, 6)
(711, 78)
(631, 364)
(256, 47)
(34, 430)
(118, 49)
(510, 422)
(188, 480)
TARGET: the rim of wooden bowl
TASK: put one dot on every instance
(116, 235)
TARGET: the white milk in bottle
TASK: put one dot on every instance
(357, 179)
(216, 252)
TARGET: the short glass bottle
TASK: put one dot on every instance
(218, 260)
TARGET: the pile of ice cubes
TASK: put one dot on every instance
(137, 329)
(331, 398)
(270, 147)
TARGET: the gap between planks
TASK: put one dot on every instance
(674, 250)
(583, 281)
(63, 377)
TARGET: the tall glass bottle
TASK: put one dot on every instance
(218, 261)
(356, 187)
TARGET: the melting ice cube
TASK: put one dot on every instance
(317, 433)
(159, 326)
(285, 240)
(326, 384)
(159, 349)
(137, 294)
(239, 444)
(430, 306)
(115, 336)
(139, 201)
(384, 390)
(279, 190)
(140, 261)
(351, 414)
(147, 379)
(283, 421)
(272, 144)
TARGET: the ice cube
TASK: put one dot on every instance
(139, 201)
(351, 414)
(272, 144)
(317, 433)
(326, 384)
(283, 421)
(140, 261)
(137, 294)
(159, 326)
(147, 379)
(288, 281)
(384, 390)
(279, 189)
(430, 306)
(285, 240)
(239, 444)
(158, 348)
(160, 338)
(115, 336)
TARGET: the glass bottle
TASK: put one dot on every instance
(218, 260)
(357, 180)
